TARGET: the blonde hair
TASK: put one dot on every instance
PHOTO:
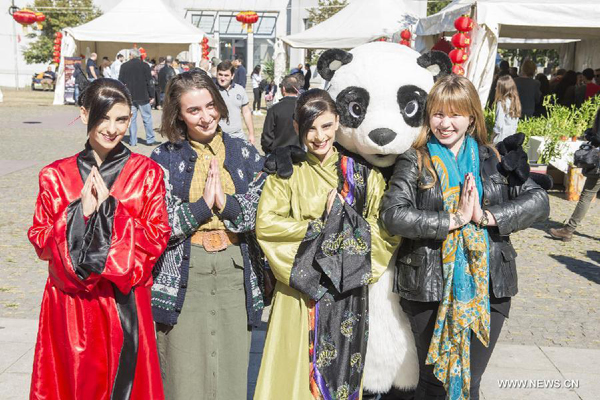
(452, 94)
(507, 90)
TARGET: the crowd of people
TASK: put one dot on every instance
(571, 88)
(517, 97)
(160, 267)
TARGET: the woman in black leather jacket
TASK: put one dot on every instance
(455, 269)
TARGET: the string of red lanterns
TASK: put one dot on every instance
(205, 48)
(57, 48)
(406, 36)
(462, 43)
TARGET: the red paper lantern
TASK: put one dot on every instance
(458, 56)
(405, 42)
(406, 35)
(57, 47)
(39, 17)
(57, 41)
(463, 24)
(252, 18)
(58, 35)
(239, 18)
(56, 60)
(461, 40)
(24, 17)
(204, 40)
(56, 54)
(458, 69)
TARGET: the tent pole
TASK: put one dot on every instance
(16, 50)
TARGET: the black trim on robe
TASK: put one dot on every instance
(127, 360)
(89, 243)
(110, 168)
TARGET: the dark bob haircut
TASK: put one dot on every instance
(100, 96)
(310, 106)
(226, 66)
(172, 127)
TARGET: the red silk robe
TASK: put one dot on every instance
(96, 337)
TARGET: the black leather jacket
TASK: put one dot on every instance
(418, 216)
(164, 75)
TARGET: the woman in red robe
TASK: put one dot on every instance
(101, 223)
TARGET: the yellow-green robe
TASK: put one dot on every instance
(285, 209)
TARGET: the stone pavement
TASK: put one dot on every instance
(559, 283)
(515, 372)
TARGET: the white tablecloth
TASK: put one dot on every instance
(566, 149)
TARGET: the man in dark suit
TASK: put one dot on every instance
(136, 75)
(241, 75)
(164, 75)
(278, 129)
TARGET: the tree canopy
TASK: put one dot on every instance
(435, 6)
(59, 14)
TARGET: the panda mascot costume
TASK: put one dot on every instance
(380, 90)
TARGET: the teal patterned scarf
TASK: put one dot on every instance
(465, 305)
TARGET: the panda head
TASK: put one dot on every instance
(380, 90)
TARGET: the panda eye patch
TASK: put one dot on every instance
(411, 100)
(351, 104)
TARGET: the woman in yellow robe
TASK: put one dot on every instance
(293, 212)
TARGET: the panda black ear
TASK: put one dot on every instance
(436, 62)
(331, 60)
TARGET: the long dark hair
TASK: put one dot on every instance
(256, 70)
(172, 127)
(568, 79)
(100, 96)
(310, 106)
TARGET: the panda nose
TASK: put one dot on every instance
(382, 136)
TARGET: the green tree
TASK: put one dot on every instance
(325, 9)
(65, 14)
(543, 57)
(435, 6)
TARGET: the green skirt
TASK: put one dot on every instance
(205, 355)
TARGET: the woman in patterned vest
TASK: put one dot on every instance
(204, 343)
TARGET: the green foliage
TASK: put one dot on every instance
(435, 6)
(539, 56)
(68, 13)
(268, 70)
(490, 118)
(559, 123)
(325, 9)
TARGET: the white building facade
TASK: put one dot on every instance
(276, 18)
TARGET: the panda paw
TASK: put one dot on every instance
(281, 161)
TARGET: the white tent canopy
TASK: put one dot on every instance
(150, 24)
(360, 22)
(520, 19)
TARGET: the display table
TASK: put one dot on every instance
(566, 150)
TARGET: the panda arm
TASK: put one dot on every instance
(399, 212)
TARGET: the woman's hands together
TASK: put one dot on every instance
(214, 196)
(331, 198)
(94, 192)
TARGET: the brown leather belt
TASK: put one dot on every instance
(216, 240)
